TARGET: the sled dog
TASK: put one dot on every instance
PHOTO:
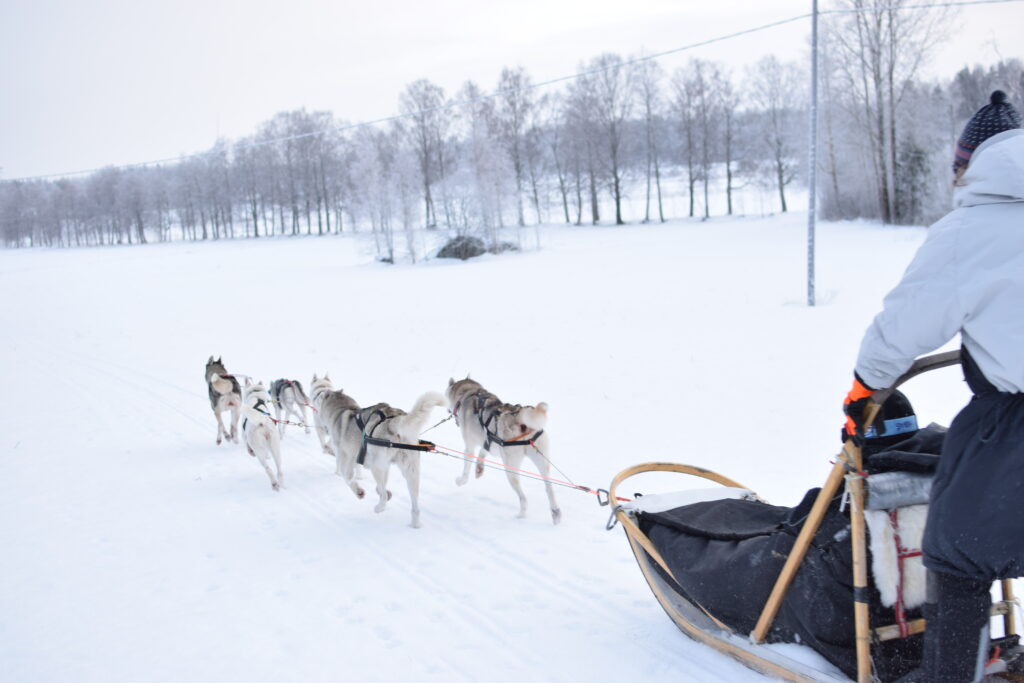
(332, 413)
(515, 431)
(376, 436)
(224, 395)
(289, 399)
(261, 437)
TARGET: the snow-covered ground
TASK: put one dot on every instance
(135, 549)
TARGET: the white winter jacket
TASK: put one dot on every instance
(967, 277)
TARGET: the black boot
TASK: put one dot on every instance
(956, 639)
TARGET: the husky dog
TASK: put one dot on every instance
(328, 406)
(371, 433)
(515, 431)
(261, 437)
(332, 410)
(224, 395)
(290, 399)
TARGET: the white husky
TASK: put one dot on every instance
(261, 436)
(515, 431)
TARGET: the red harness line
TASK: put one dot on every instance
(902, 553)
(531, 475)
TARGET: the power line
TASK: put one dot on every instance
(532, 86)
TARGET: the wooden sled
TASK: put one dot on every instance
(749, 649)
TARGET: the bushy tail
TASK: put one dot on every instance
(412, 423)
(535, 417)
(299, 393)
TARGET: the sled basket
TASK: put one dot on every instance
(800, 550)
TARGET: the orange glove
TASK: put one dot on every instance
(854, 405)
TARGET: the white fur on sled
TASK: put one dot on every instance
(660, 502)
(884, 565)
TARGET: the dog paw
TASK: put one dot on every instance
(556, 516)
(389, 495)
(521, 515)
(218, 441)
(275, 486)
(379, 507)
(479, 471)
(415, 524)
(360, 494)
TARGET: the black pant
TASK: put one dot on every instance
(956, 635)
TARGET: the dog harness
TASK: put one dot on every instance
(488, 402)
(256, 406)
(378, 411)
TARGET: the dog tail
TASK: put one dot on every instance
(412, 422)
(299, 391)
(536, 418)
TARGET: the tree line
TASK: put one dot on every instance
(623, 128)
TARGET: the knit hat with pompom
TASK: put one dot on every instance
(994, 118)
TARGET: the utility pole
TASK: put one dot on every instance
(812, 153)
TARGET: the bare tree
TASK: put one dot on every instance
(880, 49)
(609, 83)
(776, 94)
(649, 76)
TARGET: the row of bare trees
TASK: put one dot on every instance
(622, 137)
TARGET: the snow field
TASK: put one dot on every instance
(139, 550)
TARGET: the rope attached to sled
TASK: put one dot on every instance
(491, 464)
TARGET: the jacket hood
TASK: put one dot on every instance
(996, 172)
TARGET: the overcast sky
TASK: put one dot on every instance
(86, 83)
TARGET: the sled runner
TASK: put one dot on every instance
(746, 577)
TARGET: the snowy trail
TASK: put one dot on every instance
(143, 551)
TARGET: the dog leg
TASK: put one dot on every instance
(277, 416)
(513, 462)
(411, 471)
(544, 467)
(349, 475)
(293, 409)
(275, 450)
(305, 422)
(236, 410)
(321, 432)
(220, 426)
(380, 475)
(472, 447)
(262, 456)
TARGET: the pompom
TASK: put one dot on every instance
(998, 97)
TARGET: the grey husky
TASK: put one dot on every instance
(261, 437)
(515, 431)
(377, 437)
(225, 395)
(290, 399)
(340, 419)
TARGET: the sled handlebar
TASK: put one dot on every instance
(921, 365)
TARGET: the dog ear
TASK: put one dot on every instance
(248, 382)
(209, 361)
(220, 359)
(327, 376)
(541, 407)
(314, 376)
(451, 381)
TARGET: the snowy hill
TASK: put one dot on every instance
(137, 549)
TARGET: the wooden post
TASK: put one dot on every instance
(1008, 623)
(862, 625)
(796, 555)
